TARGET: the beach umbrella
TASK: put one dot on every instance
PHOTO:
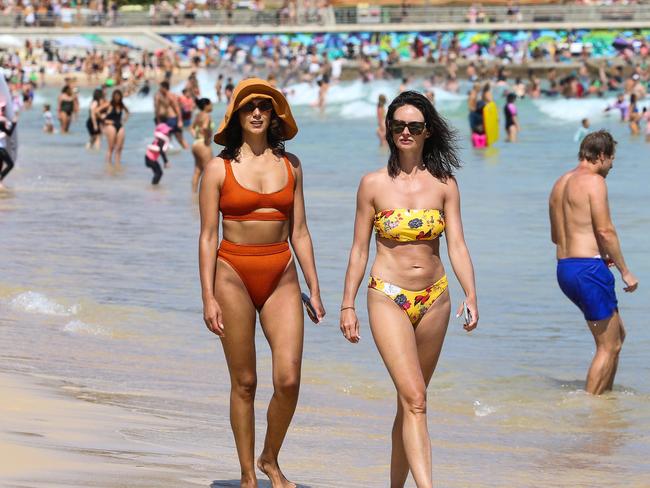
(79, 42)
(120, 41)
(482, 38)
(95, 39)
(9, 41)
(621, 43)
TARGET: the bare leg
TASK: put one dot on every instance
(63, 122)
(180, 139)
(195, 178)
(512, 133)
(396, 341)
(282, 322)
(429, 336)
(609, 335)
(109, 131)
(119, 145)
(623, 333)
(201, 156)
(239, 350)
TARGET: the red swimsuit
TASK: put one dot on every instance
(260, 266)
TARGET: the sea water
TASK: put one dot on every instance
(99, 295)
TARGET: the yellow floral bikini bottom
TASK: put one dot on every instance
(414, 303)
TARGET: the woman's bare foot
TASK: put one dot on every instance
(248, 481)
(271, 469)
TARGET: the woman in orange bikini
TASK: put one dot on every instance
(257, 187)
(410, 203)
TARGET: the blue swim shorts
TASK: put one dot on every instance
(172, 122)
(589, 284)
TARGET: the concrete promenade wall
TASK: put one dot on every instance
(270, 29)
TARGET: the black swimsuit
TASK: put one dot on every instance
(67, 106)
(115, 117)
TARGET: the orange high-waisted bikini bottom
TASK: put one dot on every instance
(260, 266)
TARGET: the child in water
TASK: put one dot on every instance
(48, 120)
(512, 122)
(479, 139)
(157, 149)
(582, 131)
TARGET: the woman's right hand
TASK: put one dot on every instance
(213, 317)
(350, 325)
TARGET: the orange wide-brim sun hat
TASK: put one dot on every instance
(250, 89)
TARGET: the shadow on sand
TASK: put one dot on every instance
(235, 483)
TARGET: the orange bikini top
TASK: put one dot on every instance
(239, 203)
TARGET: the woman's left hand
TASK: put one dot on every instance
(472, 307)
(318, 306)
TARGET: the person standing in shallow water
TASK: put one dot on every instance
(114, 116)
(257, 187)
(202, 129)
(410, 204)
(587, 242)
(381, 120)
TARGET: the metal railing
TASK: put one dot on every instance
(367, 15)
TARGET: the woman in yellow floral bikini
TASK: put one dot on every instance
(409, 204)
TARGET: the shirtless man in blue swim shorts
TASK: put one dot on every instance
(587, 243)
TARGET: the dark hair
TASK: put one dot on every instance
(119, 104)
(439, 155)
(201, 103)
(511, 97)
(98, 94)
(596, 144)
(233, 133)
(164, 84)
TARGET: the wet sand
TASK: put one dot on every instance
(50, 438)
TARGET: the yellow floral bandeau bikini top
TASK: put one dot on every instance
(406, 225)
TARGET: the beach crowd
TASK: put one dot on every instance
(409, 204)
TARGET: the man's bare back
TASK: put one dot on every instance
(570, 204)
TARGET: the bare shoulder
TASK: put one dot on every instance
(293, 160)
(594, 185)
(450, 184)
(375, 178)
(560, 183)
(215, 170)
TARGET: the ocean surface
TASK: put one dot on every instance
(100, 299)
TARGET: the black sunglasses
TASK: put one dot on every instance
(263, 106)
(415, 128)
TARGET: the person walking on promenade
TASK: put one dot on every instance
(586, 240)
(257, 187)
(410, 204)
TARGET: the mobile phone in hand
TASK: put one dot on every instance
(311, 311)
(467, 315)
